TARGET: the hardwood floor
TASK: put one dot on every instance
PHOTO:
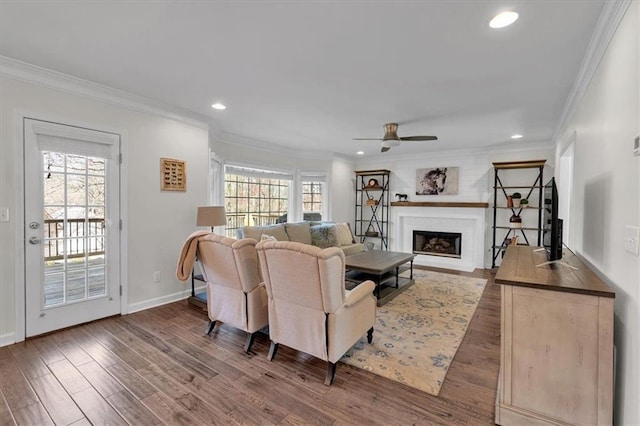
(159, 367)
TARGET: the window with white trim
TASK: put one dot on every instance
(255, 197)
(313, 197)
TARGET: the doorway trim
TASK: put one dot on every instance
(19, 283)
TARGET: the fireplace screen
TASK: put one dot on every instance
(447, 244)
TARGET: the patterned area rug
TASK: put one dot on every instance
(418, 333)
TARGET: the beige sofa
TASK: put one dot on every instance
(319, 234)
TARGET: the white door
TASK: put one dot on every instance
(72, 225)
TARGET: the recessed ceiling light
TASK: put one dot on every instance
(360, 152)
(516, 136)
(219, 106)
(503, 19)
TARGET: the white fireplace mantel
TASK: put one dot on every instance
(470, 222)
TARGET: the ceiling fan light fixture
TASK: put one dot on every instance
(517, 136)
(390, 143)
(503, 19)
(218, 106)
(360, 152)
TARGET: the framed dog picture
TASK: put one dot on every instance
(437, 181)
(173, 175)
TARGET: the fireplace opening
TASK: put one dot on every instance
(447, 244)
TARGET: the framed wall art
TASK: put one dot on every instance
(437, 181)
(173, 175)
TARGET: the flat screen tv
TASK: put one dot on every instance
(551, 224)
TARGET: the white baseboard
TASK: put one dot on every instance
(163, 300)
(10, 338)
(7, 339)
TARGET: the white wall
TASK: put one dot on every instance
(343, 191)
(157, 222)
(606, 192)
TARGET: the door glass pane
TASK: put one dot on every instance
(95, 166)
(76, 164)
(53, 162)
(95, 190)
(53, 188)
(53, 288)
(74, 217)
(76, 284)
(76, 190)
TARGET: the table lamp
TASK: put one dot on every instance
(211, 216)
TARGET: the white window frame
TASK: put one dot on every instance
(312, 176)
(260, 172)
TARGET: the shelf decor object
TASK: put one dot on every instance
(173, 175)
(508, 213)
(372, 207)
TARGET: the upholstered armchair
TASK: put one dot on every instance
(309, 308)
(235, 294)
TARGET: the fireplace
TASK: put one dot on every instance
(446, 244)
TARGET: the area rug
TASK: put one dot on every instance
(418, 333)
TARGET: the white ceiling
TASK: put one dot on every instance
(311, 75)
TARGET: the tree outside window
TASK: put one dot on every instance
(254, 201)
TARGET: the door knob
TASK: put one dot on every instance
(34, 240)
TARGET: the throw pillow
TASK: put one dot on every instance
(298, 232)
(265, 237)
(324, 236)
(256, 232)
(343, 232)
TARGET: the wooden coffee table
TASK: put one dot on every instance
(383, 268)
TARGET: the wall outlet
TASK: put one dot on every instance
(156, 277)
(632, 239)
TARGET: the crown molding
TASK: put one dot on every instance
(25, 72)
(610, 17)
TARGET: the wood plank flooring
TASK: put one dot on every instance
(159, 367)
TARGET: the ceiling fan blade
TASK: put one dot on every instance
(384, 149)
(365, 139)
(419, 138)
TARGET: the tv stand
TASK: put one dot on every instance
(556, 336)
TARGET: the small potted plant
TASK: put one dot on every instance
(516, 196)
(524, 203)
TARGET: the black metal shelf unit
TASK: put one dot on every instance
(372, 206)
(500, 196)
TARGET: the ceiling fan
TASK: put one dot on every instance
(392, 139)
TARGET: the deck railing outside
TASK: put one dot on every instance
(83, 236)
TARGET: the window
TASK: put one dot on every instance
(312, 200)
(255, 197)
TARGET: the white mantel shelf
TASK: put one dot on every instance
(474, 205)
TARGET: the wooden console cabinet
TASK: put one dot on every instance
(556, 360)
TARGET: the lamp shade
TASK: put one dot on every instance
(211, 216)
